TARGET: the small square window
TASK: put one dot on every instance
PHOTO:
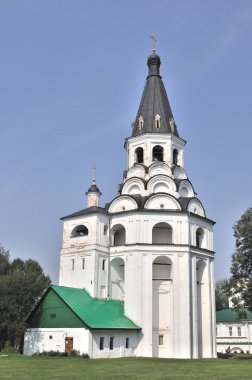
(50, 336)
(53, 315)
(101, 343)
(160, 340)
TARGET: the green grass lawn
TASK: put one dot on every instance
(19, 367)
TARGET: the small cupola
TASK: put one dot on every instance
(93, 193)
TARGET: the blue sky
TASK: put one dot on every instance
(72, 75)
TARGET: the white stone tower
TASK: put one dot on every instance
(152, 246)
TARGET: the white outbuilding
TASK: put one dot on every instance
(147, 256)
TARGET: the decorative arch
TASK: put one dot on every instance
(133, 186)
(118, 235)
(159, 167)
(179, 173)
(186, 189)
(117, 275)
(161, 184)
(138, 170)
(162, 201)
(161, 305)
(122, 203)
(196, 207)
(158, 153)
(162, 233)
(139, 155)
(80, 230)
(201, 303)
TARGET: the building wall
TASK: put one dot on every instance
(119, 349)
(240, 340)
(81, 258)
(46, 339)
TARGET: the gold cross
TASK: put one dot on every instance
(154, 40)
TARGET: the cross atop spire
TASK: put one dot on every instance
(94, 175)
(154, 40)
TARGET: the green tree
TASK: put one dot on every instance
(21, 285)
(222, 294)
(241, 266)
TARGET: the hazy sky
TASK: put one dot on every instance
(72, 74)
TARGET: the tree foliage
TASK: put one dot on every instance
(21, 285)
(222, 294)
(241, 266)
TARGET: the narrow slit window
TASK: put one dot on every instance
(83, 263)
(101, 343)
(103, 264)
(72, 264)
(230, 331)
(111, 343)
(127, 343)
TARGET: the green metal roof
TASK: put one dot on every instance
(230, 315)
(95, 313)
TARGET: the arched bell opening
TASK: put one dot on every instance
(80, 230)
(162, 233)
(139, 155)
(118, 234)
(158, 153)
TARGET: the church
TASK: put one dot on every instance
(136, 276)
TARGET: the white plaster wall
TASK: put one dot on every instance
(119, 349)
(93, 248)
(38, 340)
(224, 340)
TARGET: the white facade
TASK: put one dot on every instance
(37, 340)
(53, 339)
(234, 336)
(152, 246)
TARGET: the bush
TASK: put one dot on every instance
(222, 355)
(52, 353)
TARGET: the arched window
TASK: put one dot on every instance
(79, 231)
(139, 155)
(157, 121)
(175, 156)
(140, 122)
(118, 233)
(157, 153)
(162, 234)
(199, 237)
